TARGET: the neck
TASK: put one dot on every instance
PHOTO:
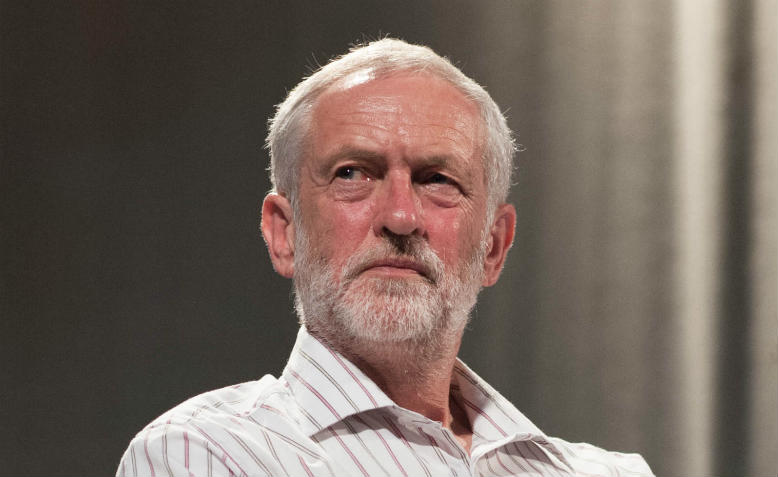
(415, 381)
(416, 376)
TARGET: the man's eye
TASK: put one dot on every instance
(349, 173)
(438, 178)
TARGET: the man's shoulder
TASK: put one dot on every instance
(236, 401)
(215, 420)
(589, 459)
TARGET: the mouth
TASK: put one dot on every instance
(396, 268)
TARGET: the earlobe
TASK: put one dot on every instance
(278, 231)
(500, 241)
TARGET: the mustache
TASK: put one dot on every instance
(410, 251)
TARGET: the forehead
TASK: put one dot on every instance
(407, 110)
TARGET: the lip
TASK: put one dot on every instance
(397, 267)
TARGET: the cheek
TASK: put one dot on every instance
(341, 227)
(448, 234)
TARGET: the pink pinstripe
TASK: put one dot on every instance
(528, 461)
(386, 445)
(348, 451)
(148, 457)
(186, 451)
(273, 452)
(499, 461)
(348, 370)
(305, 466)
(316, 393)
(400, 435)
(216, 443)
(485, 415)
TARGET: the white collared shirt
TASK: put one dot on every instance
(324, 417)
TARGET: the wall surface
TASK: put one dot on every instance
(637, 310)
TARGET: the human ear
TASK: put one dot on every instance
(278, 230)
(500, 241)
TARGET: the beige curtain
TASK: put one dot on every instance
(638, 307)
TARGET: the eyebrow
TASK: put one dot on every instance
(440, 160)
(348, 152)
(357, 153)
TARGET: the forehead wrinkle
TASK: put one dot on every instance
(359, 125)
(453, 134)
(431, 112)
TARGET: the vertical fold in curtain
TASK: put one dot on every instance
(761, 439)
(699, 87)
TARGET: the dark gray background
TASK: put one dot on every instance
(134, 275)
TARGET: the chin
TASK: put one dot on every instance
(389, 311)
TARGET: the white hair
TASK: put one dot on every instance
(289, 129)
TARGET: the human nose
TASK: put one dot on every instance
(399, 209)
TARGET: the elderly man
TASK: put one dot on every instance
(390, 170)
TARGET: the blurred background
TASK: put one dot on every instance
(637, 310)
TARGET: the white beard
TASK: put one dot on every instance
(352, 308)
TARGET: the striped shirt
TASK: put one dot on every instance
(324, 417)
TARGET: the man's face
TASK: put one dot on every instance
(391, 210)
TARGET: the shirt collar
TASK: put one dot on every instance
(495, 421)
(328, 388)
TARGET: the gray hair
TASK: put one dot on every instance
(290, 127)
